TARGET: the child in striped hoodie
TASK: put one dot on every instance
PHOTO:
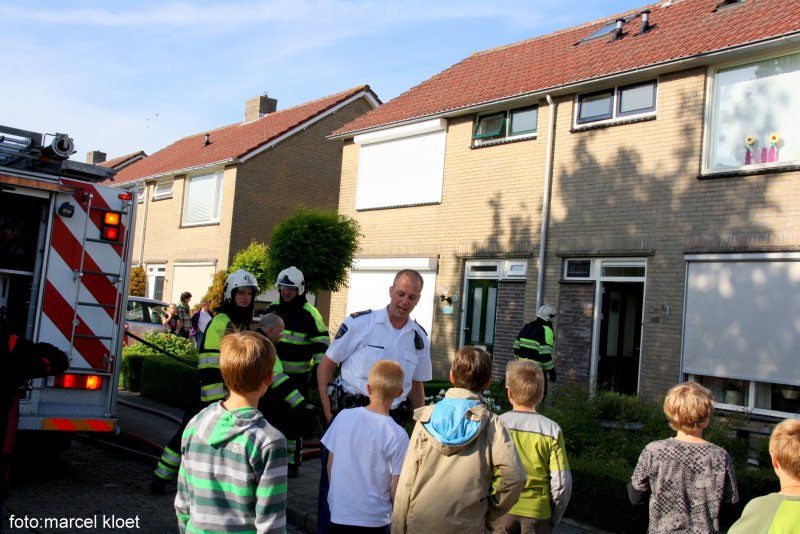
(233, 473)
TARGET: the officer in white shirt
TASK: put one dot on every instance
(388, 333)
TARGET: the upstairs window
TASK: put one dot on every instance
(753, 115)
(515, 123)
(203, 199)
(163, 190)
(617, 103)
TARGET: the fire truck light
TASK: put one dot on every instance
(69, 381)
(125, 196)
(110, 233)
(111, 218)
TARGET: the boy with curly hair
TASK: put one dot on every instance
(686, 477)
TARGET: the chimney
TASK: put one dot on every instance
(95, 156)
(257, 107)
(645, 21)
(618, 30)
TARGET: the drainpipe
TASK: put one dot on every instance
(143, 224)
(548, 180)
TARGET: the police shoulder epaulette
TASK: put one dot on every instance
(421, 328)
(359, 313)
(419, 341)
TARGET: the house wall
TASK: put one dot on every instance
(490, 208)
(305, 169)
(167, 242)
(633, 190)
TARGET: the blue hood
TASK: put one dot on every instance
(448, 423)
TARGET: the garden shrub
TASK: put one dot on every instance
(134, 356)
(169, 381)
(130, 376)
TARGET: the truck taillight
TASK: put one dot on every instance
(70, 381)
(110, 229)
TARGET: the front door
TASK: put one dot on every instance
(620, 336)
(481, 305)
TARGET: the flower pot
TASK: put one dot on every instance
(790, 393)
(733, 397)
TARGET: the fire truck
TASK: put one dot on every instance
(65, 254)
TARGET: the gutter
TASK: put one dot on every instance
(548, 181)
(703, 58)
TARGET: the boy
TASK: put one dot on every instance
(233, 473)
(367, 449)
(689, 478)
(777, 512)
(540, 444)
(461, 469)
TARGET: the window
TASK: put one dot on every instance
(163, 190)
(740, 328)
(412, 155)
(578, 269)
(753, 115)
(616, 103)
(506, 124)
(203, 199)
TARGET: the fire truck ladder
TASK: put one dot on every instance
(82, 272)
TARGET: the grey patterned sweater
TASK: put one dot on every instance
(233, 473)
(688, 481)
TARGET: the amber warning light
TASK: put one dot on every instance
(70, 381)
(110, 229)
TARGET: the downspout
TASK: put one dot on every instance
(144, 224)
(548, 181)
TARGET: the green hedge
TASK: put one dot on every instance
(130, 376)
(168, 381)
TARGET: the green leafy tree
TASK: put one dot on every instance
(321, 243)
(254, 260)
(138, 282)
(216, 291)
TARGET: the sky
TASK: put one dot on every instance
(127, 76)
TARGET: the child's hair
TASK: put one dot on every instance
(688, 407)
(386, 379)
(245, 360)
(784, 446)
(525, 380)
(472, 368)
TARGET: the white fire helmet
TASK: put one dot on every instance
(546, 312)
(291, 277)
(238, 280)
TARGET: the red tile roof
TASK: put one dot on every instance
(233, 141)
(682, 30)
(121, 161)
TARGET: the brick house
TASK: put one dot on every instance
(604, 169)
(209, 195)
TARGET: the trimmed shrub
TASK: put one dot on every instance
(169, 381)
(130, 376)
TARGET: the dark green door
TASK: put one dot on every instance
(481, 308)
(620, 337)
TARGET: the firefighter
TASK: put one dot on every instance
(235, 313)
(305, 340)
(535, 342)
(22, 360)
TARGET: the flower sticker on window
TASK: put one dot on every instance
(774, 140)
(750, 154)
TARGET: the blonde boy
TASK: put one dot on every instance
(688, 478)
(367, 449)
(462, 469)
(540, 444)
(777, 512)
(233, 473)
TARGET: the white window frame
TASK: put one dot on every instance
(761, 138)
(216, 200)
(141, 193)
(748, 401)
(615, 115)
(163, 190)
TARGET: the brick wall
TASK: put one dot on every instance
(573, 330)
(508, 323)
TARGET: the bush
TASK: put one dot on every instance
(138, 282)
(169, 381)
(130, 376)
(132, 372)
